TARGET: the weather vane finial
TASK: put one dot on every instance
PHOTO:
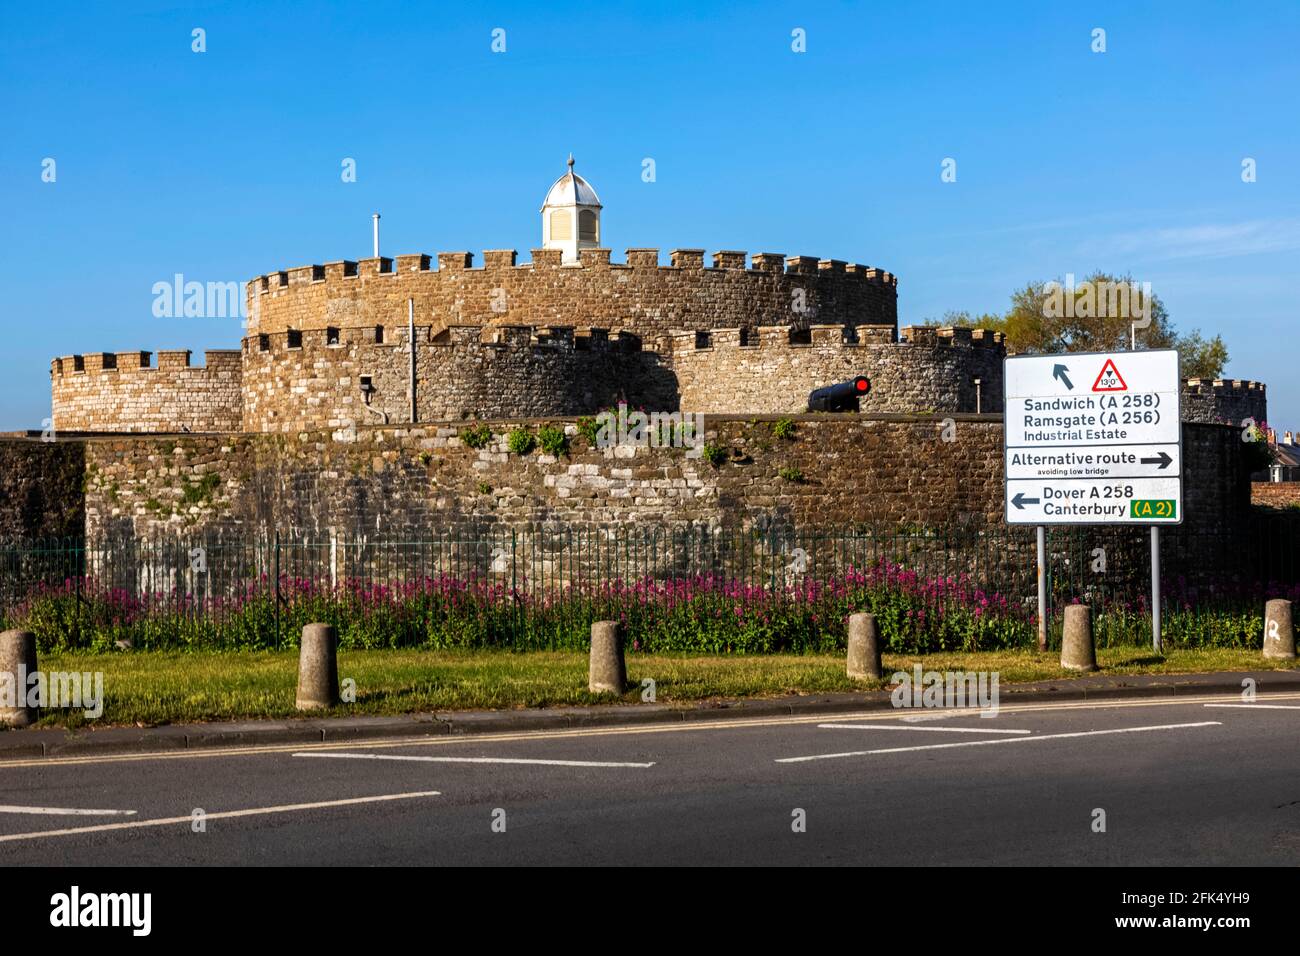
(570, 162)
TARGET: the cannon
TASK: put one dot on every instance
(841, 397)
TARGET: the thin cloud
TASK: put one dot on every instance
(1207, 241)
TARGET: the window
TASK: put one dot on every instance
(295, 339)
(264, 343)
(587, 226)
(801, 336)
(747, 336)
(379, 335)
(331, 336)
(703, 340)
(561, 224)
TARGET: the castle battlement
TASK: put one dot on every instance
(1223, 386)
(834, 336)
(597, 259)
(216, 361)
(772, 369)
(552, 337)
(122, 391)
(1225, 401)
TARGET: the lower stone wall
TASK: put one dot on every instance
(41, 489)
(834, 474)
(1275, 494)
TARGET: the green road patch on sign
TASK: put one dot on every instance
(1154, 508)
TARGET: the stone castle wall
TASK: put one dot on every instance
(463, 372)
(1224, 402)
(639, 295)
(106, 391)
(389, 483)
(929, 370)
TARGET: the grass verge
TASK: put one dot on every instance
(181, 687)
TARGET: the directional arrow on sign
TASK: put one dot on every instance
(1162, 459)
(1059, 373)
(1020, 500)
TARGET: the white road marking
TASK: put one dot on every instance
(67, 811)
(728, 724)
(1002, 740)
(1257, 706)
(528, 760)
(218, 815)
(866, 725)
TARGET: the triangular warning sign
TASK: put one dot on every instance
(1109, 379)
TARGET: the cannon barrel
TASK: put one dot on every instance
(840, 397)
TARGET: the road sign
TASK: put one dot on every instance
(1093, 438)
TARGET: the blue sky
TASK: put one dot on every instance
(226, 164)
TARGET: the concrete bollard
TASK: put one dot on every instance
(864, 647)
(1279, 631)
(18, 659)
(318, 667)
(1077, 650)
(607, 671)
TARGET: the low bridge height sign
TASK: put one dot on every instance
(1094, 438)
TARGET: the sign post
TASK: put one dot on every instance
(1094, 438)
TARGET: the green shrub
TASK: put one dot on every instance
(521, 441)
(553, 440)
(791, 474)
(784, 428)
(196, 492)
(714, 453)
(589, 428)
(476, 436)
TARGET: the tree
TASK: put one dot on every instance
(1096, 315)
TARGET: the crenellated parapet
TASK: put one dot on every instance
(124, 392)
(639, 293)
(1224, 401)
(336, 378)
(773, 368)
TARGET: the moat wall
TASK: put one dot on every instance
(848, 472)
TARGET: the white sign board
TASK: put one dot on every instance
(1093, 438)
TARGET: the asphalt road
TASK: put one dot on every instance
(1184, 781)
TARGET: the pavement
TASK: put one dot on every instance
(1158, 773)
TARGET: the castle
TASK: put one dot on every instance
(569, 333)
(341, 421)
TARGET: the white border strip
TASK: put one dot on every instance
(1001, 740)
(1256, 706)
(524, 760)
(929, 730)
(67, 811)
(220, 815)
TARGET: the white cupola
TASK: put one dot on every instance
(571, 216)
